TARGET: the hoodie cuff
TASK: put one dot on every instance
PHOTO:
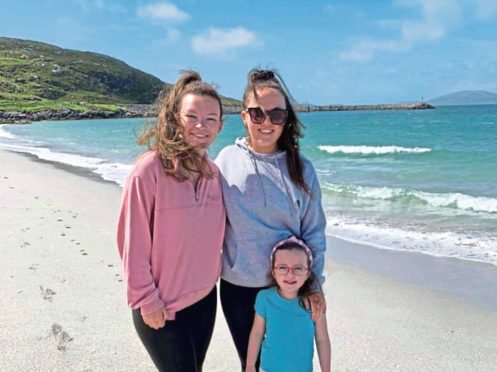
(152, 306)
(316, 286)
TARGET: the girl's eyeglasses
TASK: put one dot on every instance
(277, 116)
(296, 270)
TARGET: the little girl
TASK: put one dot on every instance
(281, 324)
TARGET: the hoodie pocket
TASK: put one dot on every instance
(252, 261)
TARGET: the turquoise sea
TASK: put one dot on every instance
(423, 181)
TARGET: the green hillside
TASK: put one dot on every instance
(36, 76)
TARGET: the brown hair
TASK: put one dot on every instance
(166, 135)
(306, 288)
(292, 129)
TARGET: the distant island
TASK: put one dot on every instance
(466, 97)
(39, 81)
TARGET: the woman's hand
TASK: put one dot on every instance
(316, 303)
(156, 319)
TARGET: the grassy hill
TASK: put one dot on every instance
(36, 76)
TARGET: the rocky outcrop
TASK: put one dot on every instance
(23, 117)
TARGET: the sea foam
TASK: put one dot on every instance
(115, 172)
(4, 133)
(372, 150)
(440, 244)
(438, 200)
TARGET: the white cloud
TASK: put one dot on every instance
(437, 18)
(422, 31)
(485, 9)
(217, 40)
(88, 5)
(162, 12)
(365, 50)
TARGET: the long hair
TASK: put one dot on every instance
(292, 129)
(166, 135)
(307, 287)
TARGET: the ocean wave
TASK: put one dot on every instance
(372, 150)
(44, 153)
(4, 133)
(115, 172)
(438, 200)
(440, 244)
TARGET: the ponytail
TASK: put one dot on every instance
(166, 136)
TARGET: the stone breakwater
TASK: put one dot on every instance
(384, 106)
(141, 110)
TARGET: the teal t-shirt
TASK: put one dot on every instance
(289, 341)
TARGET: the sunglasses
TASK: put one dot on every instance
(277, 116)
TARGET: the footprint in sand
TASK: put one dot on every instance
(47, 293)
(62, 336)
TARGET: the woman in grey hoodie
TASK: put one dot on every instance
(270, 192)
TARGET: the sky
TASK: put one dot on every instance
(328, 52)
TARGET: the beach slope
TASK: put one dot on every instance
(64, 308)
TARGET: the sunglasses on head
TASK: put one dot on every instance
(277, 116)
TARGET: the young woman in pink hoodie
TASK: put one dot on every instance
(171, 228)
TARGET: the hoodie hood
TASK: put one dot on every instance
(243, 143)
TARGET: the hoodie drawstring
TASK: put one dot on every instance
(286, 187)
(254, 163)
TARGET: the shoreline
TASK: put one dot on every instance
(148, 111)
(450, 276)
(64, 301)
(86, 172)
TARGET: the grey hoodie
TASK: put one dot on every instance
(263, 206)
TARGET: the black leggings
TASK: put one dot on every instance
(181, 345)
(238, 308)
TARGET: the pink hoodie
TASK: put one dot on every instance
(169, 237)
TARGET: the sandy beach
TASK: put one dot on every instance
(64, 308)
